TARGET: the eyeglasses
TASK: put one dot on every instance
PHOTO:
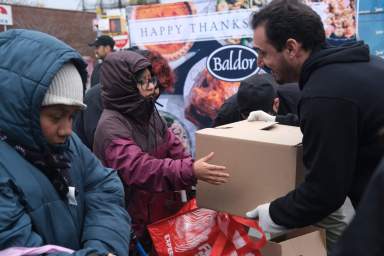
(145, 84)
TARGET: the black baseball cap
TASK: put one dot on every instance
(103, 40)
(256, 93)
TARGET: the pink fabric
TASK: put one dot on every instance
(167, 169)
(150, 179)
(21, 251)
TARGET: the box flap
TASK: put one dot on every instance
(260, 125)
(293, 233)
(258, 131)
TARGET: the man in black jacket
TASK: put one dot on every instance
(103, 46)
(339, 112)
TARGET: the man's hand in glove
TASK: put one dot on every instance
(265, 221)
(260, 115)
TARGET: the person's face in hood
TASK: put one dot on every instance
(147, 84)
(56, 122)
(285, 64)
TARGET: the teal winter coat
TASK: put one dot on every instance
(31, 211)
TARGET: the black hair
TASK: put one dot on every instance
(284, 19)
(256, 93)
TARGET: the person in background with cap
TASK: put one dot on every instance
(260, 93)
(103, 46)
(53, 190)
(254, 93)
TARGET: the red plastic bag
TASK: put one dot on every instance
(201, 232)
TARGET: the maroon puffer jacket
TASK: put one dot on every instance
(132, 138)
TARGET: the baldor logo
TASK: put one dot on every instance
(232, 63)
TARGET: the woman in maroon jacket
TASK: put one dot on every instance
(132, 138)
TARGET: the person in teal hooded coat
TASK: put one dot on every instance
(53, 190)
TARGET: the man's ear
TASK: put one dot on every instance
(293, 47)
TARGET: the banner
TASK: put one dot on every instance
(200, 27)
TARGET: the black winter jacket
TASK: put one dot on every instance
(341, 113)
(95, 77)
(364, 236)
(86, 121)
(228, 113)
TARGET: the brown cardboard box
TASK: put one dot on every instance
(309, 241)
(263, 159)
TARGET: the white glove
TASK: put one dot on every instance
(260, 115)
(265, 221)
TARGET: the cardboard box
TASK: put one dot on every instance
(263, 158)
(309, 241)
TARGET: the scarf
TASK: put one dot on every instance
(54, 165)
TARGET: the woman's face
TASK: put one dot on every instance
(147, 85)
(56, 122)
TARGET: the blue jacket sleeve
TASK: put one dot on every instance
(15, 223)
(107, 224)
